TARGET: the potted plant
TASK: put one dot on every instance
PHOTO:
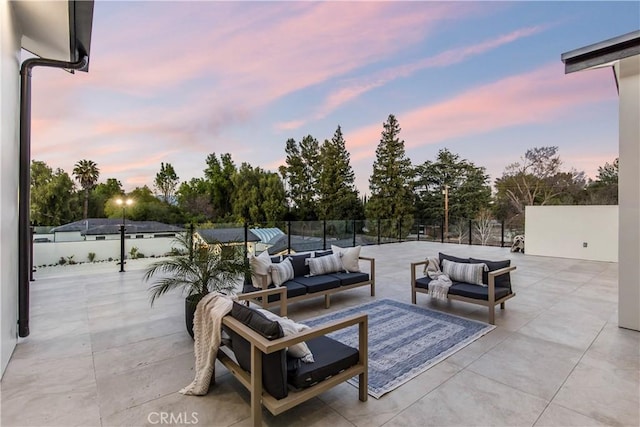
(198, 269)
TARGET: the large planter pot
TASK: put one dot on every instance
(190, 304)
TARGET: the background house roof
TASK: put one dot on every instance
(267, 234)
(226, 235)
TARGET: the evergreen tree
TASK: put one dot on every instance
(301, 174)
(604, 190)
(338, 197)
(390, 183)
(166, 182)
(468, 188)
(219, 174)
(259, 196)
(86, 173)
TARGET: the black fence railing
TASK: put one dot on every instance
(302, 236)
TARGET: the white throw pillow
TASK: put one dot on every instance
(281, 272)
(349, 257)
(260, 264)
(463, 272)
(324, 264)
(289, 327)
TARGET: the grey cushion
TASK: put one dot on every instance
(294, 289)
(274, 365)
(350, 278)
(331, 357)
(476, 291)
(322, 253)
(503, 280)
(299, 262)
(452, 258)
(318, 283)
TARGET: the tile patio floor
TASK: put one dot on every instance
(98, 355)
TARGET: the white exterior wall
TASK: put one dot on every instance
(629, 192)
(561, 231)
(9, 170)
(50, 253)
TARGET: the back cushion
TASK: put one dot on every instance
(300, 267)
(322, 253)
(274, 365)
(504, 281)
(463, 272)
(451, 258)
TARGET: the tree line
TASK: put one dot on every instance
(317, 182)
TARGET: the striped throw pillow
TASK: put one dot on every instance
(281, 272)
(325, 264)
(467, 273)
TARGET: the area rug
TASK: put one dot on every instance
(404, 340)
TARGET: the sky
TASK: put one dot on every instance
(174, 82)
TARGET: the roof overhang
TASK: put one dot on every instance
(603, 54)
(58, 30)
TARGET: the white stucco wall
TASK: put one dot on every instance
(50, 253)
(9, 154)
(562, 231)
(628, 71)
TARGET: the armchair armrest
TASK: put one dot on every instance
(269, 346)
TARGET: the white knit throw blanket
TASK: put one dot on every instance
(207, 328)
(440, 282)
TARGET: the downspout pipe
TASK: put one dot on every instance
(24, 185)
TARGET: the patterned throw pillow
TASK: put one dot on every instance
(281, 272)
(467, 273)
(325, 264)
(349, 257)
(260, 264)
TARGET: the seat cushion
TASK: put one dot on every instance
(318, 283)
(476, 291)
(331, 357)
(350, 278)
(423, 282)
(294, 289)
(503, 280)
(274, 365)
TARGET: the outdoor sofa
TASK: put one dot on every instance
(255, 352)
(313, 274)
(495, 287)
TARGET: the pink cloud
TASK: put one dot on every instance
(542, 95)
(357, 87)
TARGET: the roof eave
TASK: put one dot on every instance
(602, 54)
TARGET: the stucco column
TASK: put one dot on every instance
(628, 71)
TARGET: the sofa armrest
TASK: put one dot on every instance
(415, 265)
(372, 268)
(492, 281)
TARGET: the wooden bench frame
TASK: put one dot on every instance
(252, 381)
(263, 303)
(491, 302)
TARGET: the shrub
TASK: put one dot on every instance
(140, 255)
(62, 260)
(91, 256)
(133, 252)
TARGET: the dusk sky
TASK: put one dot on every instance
(175, 81)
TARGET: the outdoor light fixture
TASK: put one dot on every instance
(124, 204)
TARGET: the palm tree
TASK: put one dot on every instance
(86, 172)
(207, 268)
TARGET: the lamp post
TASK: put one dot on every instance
(124, 204)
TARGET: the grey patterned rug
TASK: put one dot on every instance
(404, 340)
